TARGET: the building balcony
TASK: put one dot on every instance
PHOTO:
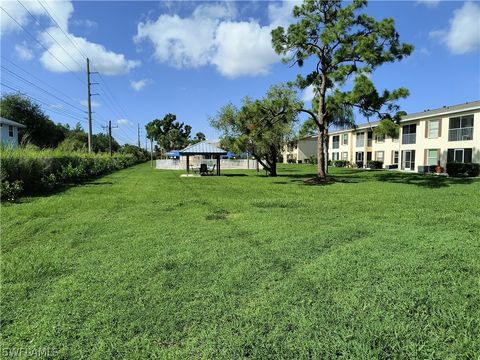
(460, 134)
(360, 143)
(409, 138)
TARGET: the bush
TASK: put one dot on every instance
(312, 159)
(463, 169)
(341, 163)
(29, 171)
(374, 164)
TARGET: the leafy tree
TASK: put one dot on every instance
(40, 130)
(261, 127)
(101, 143)
(169, 133)
(199, 136)
(343, 43)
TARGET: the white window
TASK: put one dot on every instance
(395, 157)
(380, 138)
(433, 127)
(432, 156)
(344, 155)
(10, 130)
(344, 139)
(379, 155)
(360, 139)
(335, 142)
(335, 156)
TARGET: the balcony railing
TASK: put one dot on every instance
(409, 138)
(460, 134)
(360, 142)
(336, 145)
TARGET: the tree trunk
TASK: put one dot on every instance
(273, 168)
(321, 173)
(327, 145)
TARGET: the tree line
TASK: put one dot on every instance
(42, 132)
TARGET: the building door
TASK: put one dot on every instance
(359, 156)
(408, 160)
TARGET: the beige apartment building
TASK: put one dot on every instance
(448, 134)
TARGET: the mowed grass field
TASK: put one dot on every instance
(145, 264)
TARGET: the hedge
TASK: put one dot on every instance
(374, 164)
(341, 163)
(463, 169)
(26, 171)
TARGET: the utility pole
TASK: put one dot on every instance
(89, 104)
(151, 151)
(138, 134)
(110, 135)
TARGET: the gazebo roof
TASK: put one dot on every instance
(203, 148)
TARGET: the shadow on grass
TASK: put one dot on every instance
(353, 176)
(58, 189)
(422, 180)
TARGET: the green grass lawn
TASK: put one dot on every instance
(143, 263)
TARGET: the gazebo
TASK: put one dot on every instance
(203, 148)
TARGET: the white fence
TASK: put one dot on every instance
(225, 164)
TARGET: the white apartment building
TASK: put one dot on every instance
(448, 134)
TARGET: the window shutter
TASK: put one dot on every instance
(439, 156)
(450, 155)
(426, 128)
(467, 155)
(440, 128)
(425, 157)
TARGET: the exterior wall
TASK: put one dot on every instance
(303, 149)
(5, 138)
(422, 142)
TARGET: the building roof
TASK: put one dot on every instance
(203, 148)
(11, 122)
(473, 105)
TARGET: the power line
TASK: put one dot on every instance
(61, 112)
(42, 89)
(53, 38)
(36, 40)
(38, 79)
(49, 13)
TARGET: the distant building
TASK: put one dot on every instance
(300, 150)
(9, 132)
(448, 134)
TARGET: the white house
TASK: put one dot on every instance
(9, 132)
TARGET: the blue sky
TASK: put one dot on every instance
(191, 58)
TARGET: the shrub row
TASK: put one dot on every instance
(374, 164)
(341, 163)
(463, 169)
(25, 171)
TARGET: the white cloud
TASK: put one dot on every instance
(211, 36)
(103, 60)
(123, 122)
(308, 94)
(243, 48)
(93, 103)
(61, 9)
(139, 85)
(463, 35)
(428, 3)
(23, 52)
